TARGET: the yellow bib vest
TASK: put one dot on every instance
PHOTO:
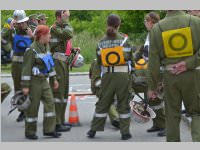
(178, 42)
(113, 56)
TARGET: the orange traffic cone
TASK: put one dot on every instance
(73, 113)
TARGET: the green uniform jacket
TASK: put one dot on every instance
(31, 60)
(59, 36)
(9, 34)
(157, 57)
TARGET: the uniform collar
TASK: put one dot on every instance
(175, 13)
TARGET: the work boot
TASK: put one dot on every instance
(61, 128)
(53, 134)
(31, 137)
(115, 123)
(154, 129)
(67, 124)
(126, 136)
(91, 133)
(162, 133)
(20, 117)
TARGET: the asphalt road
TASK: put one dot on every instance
(11, 131)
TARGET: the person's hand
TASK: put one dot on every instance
(13, 22)
(25, 91)
(151, 95)
(178, 68)
(54, 26)
(29, 32)
(77, 49)
(56, 84)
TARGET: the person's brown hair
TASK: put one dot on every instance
(59, 12)
(113, 22)
(153, 16)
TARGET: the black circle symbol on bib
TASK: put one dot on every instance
(177, 42)
(21, 44)
(112, 58)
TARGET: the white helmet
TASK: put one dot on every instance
(20, 16)
(140, 114)
(78, 61)
(20, 101)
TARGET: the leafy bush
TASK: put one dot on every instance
(87, 43)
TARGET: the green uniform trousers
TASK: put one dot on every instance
(158, 107)
(40, 90)
(61, 94)
(178, 88)
(16, 71)
(119, 84)
(112, 113)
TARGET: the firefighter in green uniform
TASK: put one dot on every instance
(157, 105)
(5, 90)
(33, 22)
(194, 13)
(94, 75)
(37, 67)
(42, 19)
(115, 58)
(175, 45)
(61, 33)
(21, 38)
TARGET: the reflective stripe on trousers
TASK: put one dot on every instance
(49, 114)
(57, 100)
(31, 120)
(124, 116)
(104, 115)
(17, 58)
(26, 78)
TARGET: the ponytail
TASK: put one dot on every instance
(111, 32)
